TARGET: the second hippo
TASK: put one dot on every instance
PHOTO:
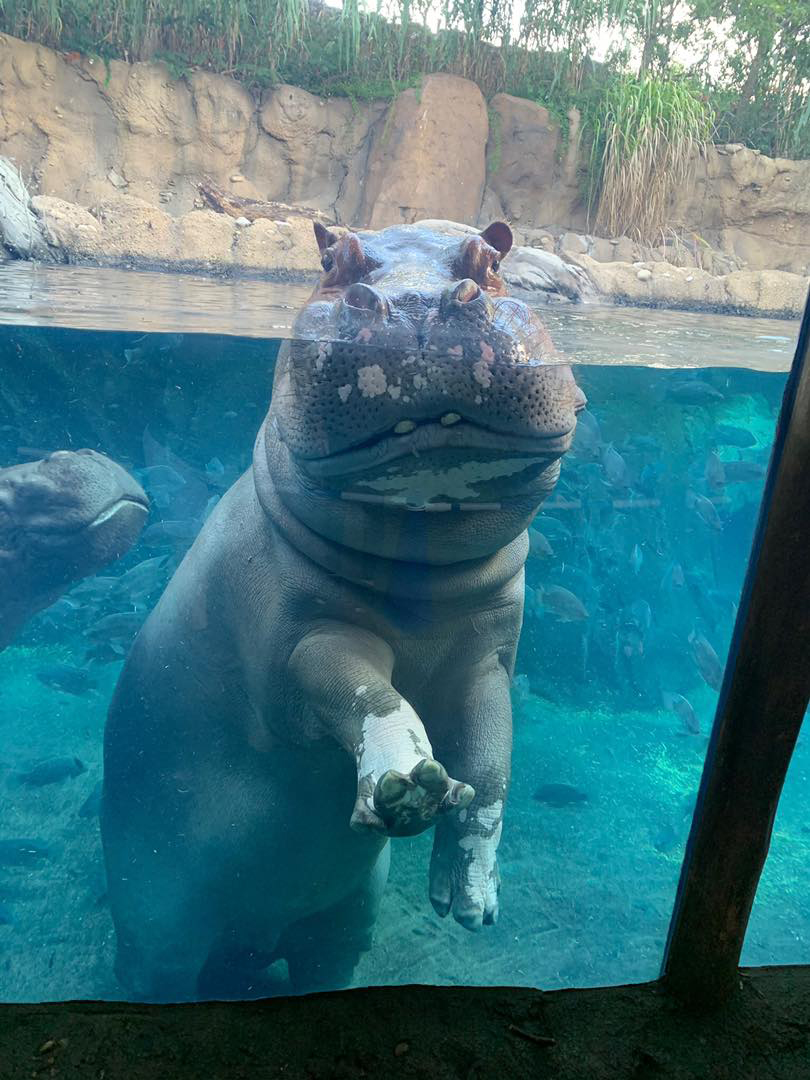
(330, 665)
(62, 518)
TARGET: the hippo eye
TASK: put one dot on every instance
(327, 261)
(496, 266)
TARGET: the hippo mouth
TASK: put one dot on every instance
(435, 438)
(112, 509)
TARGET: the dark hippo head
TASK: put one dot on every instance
(413, 382)
(61, 519)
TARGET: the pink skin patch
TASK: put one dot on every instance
(364, 335)
(487, 352)
(457, 350)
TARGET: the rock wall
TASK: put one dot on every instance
(750, 206)
(85, 132)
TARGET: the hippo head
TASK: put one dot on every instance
(413, 382)
(61, 519)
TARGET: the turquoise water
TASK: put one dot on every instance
(637, 561)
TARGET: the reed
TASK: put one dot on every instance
(646, 135)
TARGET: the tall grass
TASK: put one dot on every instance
(645, 137)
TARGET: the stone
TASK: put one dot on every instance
(535, 269)
(267, 247)
(748, 292)
(205, 238)
(68, 226)
(574, 243)
(134, 228)
(117, 180)
(603, 250)
(643, 274)
(770, 292)
(427, 159)
(625, 250)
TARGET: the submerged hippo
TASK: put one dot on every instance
(61, 519)
(330, 665)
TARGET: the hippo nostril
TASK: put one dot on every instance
(466, 291)
(364, 298)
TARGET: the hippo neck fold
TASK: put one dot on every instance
(451, 581)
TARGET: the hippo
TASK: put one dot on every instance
(62, 518)
(329, 667)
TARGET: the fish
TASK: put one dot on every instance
(706, 660)
(673, 577)
(678, 704)
(729, 435)
(50, 771)
(636, 558)
(615, 467)
(560, 795)
(23, 851)
(91, 806)
(561, 602)
(714, 473)
(740, 472)
(539, 547)
(520, 692)
(167, 532)
(144, 579)
(120, 625)
(666, 839)
(693, 392)
(635, 621)
(67, 678)
(704, 508)
(587, 436)
(553, 529)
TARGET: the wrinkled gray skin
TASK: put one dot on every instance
(330, 665)
(61, 519)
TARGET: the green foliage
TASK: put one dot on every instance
(673, 65)
(496, 139)
(646, 134)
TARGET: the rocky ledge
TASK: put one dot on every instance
(127, 231)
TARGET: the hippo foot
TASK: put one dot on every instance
(464, 877)
(404, 804)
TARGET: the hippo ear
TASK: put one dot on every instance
(324, 236)
(499, 236)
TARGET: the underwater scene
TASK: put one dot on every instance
(632, 583)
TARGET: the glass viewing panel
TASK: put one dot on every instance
(632, 582)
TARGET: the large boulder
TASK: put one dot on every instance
(660, 284)
(427, 158)
(771, 292)
(531, 169)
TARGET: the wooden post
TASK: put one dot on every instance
(762, 703)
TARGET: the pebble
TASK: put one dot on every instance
(242, 222)
(643, 274)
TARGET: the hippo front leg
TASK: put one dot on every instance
(344, 675)
(464, 874)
